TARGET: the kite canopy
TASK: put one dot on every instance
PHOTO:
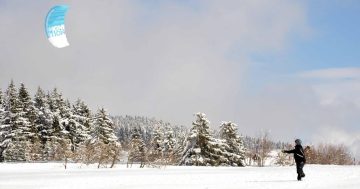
(54, 26)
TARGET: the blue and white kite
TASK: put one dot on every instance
(54, 26)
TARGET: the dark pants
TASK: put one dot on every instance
(299, 169)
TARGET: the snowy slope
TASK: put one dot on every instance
(53, 175)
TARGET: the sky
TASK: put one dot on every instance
(287, 67)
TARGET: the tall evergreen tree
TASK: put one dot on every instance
(104, 139)
(235, 144)
(156, 145)
(28, 112)
(7, 123)
(169, 142)
(59, 145)
(19, 127)
(81, 114)
(1, 99)
(43, 119)
(137, 149)
(201, 148)
(2, 118)
(103, 128)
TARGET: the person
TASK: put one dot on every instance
(299, 157)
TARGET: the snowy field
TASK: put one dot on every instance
(53, 175)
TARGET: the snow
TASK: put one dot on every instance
(53, 175)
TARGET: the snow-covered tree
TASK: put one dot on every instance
(20, 131)
(169, 143)
(235, 149)
(1, 99)
(62, 126)
(201, 148)
(7, 122)
(103, 128)
(104, 138)
(81, 114)
(43, 121)
(156, 145)
(2, 118)
(8, 110)
(28, 112)
(137, 151)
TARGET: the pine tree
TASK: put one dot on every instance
(81, 114)
(156, 145)
(59, 145)
(137, 149)
(61, 117)
(43, 121)
(18, 144)
(201, 148)
(2, 131)
(28, 113)
(104, 138)
(235, 145)
(169, 142)
(7, 123)
(103, 128)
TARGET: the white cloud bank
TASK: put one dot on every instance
(173, 58)
(167, 59)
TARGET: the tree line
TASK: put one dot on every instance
(48, 127)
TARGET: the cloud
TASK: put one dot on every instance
(335, 86)
(168, 59)
(332, 73)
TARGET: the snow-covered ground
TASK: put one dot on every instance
(53, 175)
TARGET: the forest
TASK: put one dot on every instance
(48, 127)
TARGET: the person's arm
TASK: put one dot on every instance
(289, 151)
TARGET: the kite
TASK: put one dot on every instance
(55, 26)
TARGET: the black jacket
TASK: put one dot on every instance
(298, 152)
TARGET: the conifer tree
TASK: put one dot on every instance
(104, 138)
(169, 142)
(235, 146)
(7, 123)
(103, 128)
(201, 148)
(59, 145)
(19, 127)
(156, 145)
(2, 126)
(28, 112)
(43, 121)
(137, 149)
(81, 114)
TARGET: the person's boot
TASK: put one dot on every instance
(299, 177)
(303, 175)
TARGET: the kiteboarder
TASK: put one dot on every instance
(299, 157)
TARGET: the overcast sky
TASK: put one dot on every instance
(290, 67)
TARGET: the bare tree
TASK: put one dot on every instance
(329, 154)
(115, 150)
(62, 150)
(263, 147)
